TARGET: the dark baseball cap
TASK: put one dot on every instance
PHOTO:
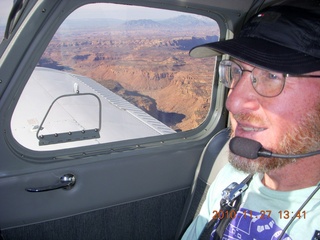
(283, 38)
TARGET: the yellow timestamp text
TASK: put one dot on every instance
(262, 214)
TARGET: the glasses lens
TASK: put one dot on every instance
(229, 73)
(268, 84)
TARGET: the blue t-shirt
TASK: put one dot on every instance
(263, 213)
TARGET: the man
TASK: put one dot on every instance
(273, 71)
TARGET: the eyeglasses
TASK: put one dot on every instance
(264, 82)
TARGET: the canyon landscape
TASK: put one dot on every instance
(144, 61)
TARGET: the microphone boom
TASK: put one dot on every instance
(252, 149)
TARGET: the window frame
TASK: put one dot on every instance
(216, 117)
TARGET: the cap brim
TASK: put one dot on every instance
(261, 53)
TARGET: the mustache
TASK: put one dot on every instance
(248, 117)
(245, 117)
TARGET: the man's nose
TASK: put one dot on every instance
(243, 97)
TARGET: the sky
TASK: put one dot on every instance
(5, 6)
(92, 11)
(121, 12)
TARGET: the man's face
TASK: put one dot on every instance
(287, 124)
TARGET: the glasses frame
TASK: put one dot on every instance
(285, 75)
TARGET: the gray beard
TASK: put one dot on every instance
(259, 165)
(302, 139)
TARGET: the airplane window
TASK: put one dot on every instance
(135, 60)
(4, 13)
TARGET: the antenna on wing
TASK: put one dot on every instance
(76, 88)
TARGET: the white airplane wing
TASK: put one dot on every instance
(57, 107)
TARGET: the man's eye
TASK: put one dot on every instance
(236, 71)
(274, 76)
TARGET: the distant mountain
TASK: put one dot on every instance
(180, 21)
(184, 20)
(143, 23)
(92, 23)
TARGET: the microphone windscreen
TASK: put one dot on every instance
(245, 147)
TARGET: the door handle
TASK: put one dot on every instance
(66, 182)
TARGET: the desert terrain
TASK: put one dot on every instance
(144, 61)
